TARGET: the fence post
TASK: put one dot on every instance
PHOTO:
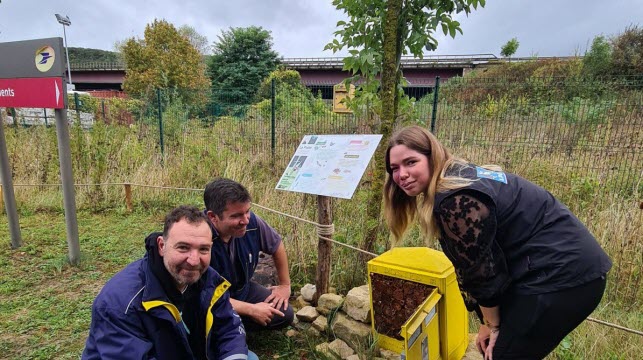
(324, 247)
(77, 103)
(128, 197)
(272, 119)
(434, 112)
(160, 113)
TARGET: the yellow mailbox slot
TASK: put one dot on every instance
(422, 332)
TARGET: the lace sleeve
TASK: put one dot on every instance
(467, 220)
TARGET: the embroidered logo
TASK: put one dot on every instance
(493, 175)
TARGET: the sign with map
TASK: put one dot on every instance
(329, 165)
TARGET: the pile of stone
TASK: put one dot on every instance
(347, 320)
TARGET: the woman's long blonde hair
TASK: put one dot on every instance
(400, 209)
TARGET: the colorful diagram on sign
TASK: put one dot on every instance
(330, 165)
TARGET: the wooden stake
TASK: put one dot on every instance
(324, 217)
(128, 197)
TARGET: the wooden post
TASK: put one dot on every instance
(324, 217)
(1, 201)
(128, 197)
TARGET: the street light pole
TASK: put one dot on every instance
(64, 21)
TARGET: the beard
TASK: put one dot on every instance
(186, 275)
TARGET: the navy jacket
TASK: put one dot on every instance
(132, 318)
(246, 254)
(537, 245)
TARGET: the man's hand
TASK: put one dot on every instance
(481, 340)
(262, 313)
(280, 295)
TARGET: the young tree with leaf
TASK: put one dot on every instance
(509, 48)
(377, 34)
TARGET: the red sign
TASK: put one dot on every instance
(32, 92)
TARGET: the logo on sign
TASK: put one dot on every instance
(45, 57)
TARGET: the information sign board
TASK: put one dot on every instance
(330, 165)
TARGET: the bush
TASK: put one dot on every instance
(627, 54)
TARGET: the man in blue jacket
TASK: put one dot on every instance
(238, 237)
(170, 304)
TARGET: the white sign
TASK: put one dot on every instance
(329, 165)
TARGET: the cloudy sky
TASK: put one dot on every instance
(301, 28)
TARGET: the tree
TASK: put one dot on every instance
(597, 61)
(509, 48)
(377, 34)
(200, 42)
(242, 58)
(163, 59)
(627, 52)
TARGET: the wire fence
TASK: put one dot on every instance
(586, 130)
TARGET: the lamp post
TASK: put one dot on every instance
(64, 21)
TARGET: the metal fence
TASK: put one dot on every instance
(553, 130)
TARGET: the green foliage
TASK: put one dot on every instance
(80, 55)
(163, 59)
(284, 78)
(627, 53)
(242, 58)
(509, 48)
(363, 35)
(597, 61)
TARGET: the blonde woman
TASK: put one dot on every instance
(533, 269)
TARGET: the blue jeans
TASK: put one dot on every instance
(252, 356)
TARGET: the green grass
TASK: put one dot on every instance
(45, 303)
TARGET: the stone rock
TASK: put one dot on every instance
(265, 272)
(358, 304)
(302, 326)
(292, 333)
(353, 357)
(353, 332)
(307, 314)
(340, 348)
(312, 332)
(328, 303)
(390, 355)
(308, 292)
(321, 323)
(323, 348)
(300, 303)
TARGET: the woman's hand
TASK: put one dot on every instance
(493, 336)
(482, 339)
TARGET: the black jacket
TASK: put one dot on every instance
(529, 243)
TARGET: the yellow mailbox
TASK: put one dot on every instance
(440, 321)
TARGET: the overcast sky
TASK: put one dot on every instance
(301, 28)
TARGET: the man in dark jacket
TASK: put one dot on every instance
(170, 304)
(238, 237)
